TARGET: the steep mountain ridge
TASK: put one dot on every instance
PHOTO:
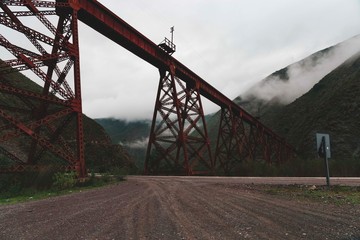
(285, 85)
(331, 106)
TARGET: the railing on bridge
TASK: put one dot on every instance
(168, 46)
(178, 140)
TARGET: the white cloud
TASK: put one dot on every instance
(232, 44)
(304, 75)
(141, 143)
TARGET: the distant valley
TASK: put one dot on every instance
(132, 135)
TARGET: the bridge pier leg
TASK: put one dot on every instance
(178, 141)
(230, 142)
(278, 152)
(42, 120)
(77, 107)
(238, 142)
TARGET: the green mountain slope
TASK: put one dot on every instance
(100, 153)
(132, 135)
(331, 106)
(285, 85)
(121, 131)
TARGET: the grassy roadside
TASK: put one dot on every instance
(339, 195)
(31, 194)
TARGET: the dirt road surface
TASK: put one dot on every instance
(179, 208)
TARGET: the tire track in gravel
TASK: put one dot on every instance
(67, 217)
(176, 208)
(97, 213)
(269, 216)
(239, 217)
(207, 212)
(197, 200)
(314, 211)
(289, 204)
(277, 220)
(287, 213)
(167, 192)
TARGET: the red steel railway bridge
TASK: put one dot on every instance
(178, 141)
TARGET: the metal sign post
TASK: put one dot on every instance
(323, 148)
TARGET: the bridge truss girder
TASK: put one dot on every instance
(40, 118)
(43, 118)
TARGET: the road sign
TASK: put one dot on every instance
(319, 137)
(323, 149)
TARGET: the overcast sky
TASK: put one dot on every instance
(232, 44)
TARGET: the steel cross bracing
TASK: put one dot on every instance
(36, 122)
(239, 141)
(178, 140)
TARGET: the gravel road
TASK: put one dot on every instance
(178, 208)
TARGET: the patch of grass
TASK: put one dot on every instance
(339, 195)
(30, 194)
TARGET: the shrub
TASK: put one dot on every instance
(65, 180)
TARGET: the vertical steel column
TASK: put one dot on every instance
(178, 142)
(80, 166)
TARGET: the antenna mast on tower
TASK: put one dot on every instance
(172, 34)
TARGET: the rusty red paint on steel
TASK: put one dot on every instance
(178, 142)
(104, 21)
(39, 122)
(97, 16)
